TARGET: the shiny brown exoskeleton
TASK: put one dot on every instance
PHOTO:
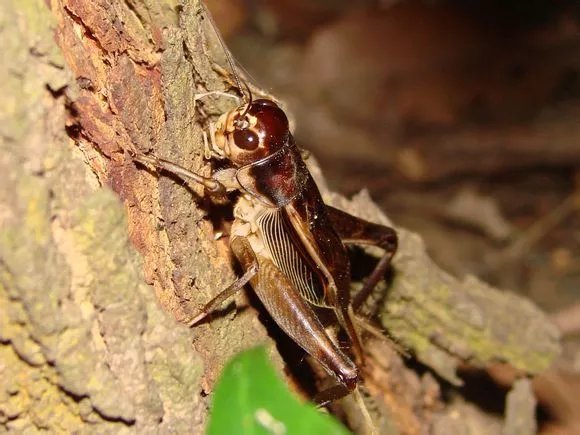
(290, 244)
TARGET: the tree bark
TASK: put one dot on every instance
(83, 339)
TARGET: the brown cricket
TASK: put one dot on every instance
(290, 244)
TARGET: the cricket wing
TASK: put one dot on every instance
(290, 257)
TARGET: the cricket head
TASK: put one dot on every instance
(251, 132)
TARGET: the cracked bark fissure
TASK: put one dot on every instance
(83, 339)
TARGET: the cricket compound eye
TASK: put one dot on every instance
(246, 139)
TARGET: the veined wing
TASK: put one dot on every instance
(289, 258)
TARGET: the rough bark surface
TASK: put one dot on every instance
(83, 339)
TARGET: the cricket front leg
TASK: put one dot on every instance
(353, 230)
(211, 184)
(297, 319)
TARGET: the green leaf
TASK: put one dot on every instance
(250, 398)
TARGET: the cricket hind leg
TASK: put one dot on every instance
(298, 320)
(353, 230)
(294, 315)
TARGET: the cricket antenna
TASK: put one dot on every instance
(230, 60)
(249, 100)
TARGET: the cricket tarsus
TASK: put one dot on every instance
(332, 394)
